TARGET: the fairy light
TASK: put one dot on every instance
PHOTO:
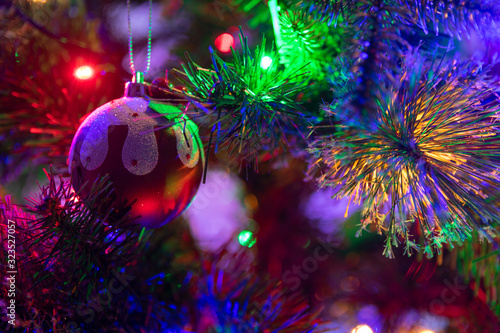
(362, 329)
(224, 42)
(266, 62)
(426, 331)
(246, 238)
(84, 72)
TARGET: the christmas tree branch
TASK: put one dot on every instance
(254, 104)
(455, 17)
(431, 157)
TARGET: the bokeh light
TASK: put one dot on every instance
(362, 329)
(224, 42)
(328, 215)
(421, 322)
(84, 72)
(266, 62)
(246, 238)
(217, 214)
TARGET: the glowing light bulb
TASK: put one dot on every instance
(84, 72)
(266, 62)
(362, 329)
(246, 238)
(224, 42)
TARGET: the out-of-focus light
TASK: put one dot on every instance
(39, 1)
(362, 329)
(349, 283)
(251, 201)
(246, 238)
(217, 214)
(427, 331)
(84, 73)
(338, 308)
(224, 42)
(328, 215)
(266, 62)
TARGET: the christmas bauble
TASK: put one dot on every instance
(151, 151)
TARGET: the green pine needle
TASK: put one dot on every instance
(312, 43)
(252, 98)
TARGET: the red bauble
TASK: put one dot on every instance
(142, 146)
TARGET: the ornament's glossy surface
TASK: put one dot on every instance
(143, 148)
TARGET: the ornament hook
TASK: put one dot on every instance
(136, 87)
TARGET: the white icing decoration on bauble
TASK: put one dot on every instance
(140, 149)
(188, 151)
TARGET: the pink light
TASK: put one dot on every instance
(84, 72)
(224, 42)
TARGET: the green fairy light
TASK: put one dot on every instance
(246, 238)
(266, 62)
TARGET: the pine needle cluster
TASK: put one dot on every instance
(431, 156)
